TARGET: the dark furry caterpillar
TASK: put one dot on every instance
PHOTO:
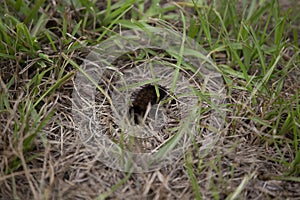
(145, 96)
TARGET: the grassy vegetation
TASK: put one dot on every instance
(255, 45)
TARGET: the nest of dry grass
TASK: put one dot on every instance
(66, 169)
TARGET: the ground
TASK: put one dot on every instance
(255, 47)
